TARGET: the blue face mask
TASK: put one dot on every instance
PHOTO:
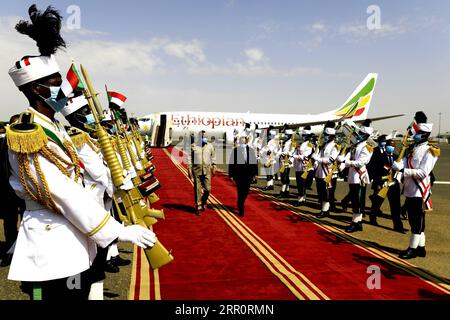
(390, 149)
(326, 138)
(418, 137)
(52, 101)
(382, 145)
(204, 140)
(90, 118)
(113, 130)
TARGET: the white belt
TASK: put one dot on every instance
(34, 206)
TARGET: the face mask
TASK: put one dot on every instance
(52, 101)
(90, 118)
(418, 137)
(113, 130)
(204, 140)
(390, 149)
(326, 138)
(382, 145)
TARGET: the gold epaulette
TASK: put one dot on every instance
(78, 137)
(435, 150)
(25, 136)
(338, 147)
(310, 145)
(369, 148)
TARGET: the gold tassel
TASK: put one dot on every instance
(79, 139)
(29, 141)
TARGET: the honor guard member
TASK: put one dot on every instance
(328, 152)
(358, 177)
(285, 155)
(62, 222)
(301, 155)
(416, 167)
(243, 168)
(268, 158)
(201, 165)
(97, 177)
(384, 177)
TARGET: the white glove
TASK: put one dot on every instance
(398, 166)
(127, 183)
(139, 165)
(315, 156)
(138, 235)
(341, 159)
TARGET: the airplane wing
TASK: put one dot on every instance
(316, 123)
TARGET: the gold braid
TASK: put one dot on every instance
(32, 178)
(48, 200)
(23, 162)
(74, 157)
(53, 158)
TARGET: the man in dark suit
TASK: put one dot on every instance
(380, 172)
(243, 168)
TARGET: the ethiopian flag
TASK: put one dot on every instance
(71, 82)
(116, 99)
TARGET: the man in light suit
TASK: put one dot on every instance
(201, 166)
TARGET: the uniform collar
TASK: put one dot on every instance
(51, 125)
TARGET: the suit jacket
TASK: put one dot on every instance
(243, 165)
(381, 166)
(201, 159)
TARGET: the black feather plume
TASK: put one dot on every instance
(420, 117)
(44, 28)
(330, 124)
(367, 123)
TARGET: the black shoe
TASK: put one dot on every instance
(421, 252)
(354, 227)
(120, 262)
(373, 220)
(241, 213)
(410, 253)
(111, 267)
(6, 261)
(323, 214)
(282, 195)
(344, 205)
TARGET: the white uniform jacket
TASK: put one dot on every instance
(356, 160)
(327, 155)
(56, 245)
(418, 165)
(301, 154)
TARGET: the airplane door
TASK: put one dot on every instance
(161, 131)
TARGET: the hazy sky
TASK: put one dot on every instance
(242, 55)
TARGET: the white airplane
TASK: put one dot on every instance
(165, 127)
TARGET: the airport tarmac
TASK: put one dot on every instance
(438, 236)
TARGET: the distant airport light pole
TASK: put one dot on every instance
(439, 132)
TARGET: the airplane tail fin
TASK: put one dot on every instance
(358, 104)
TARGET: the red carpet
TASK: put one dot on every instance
(272, 253)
